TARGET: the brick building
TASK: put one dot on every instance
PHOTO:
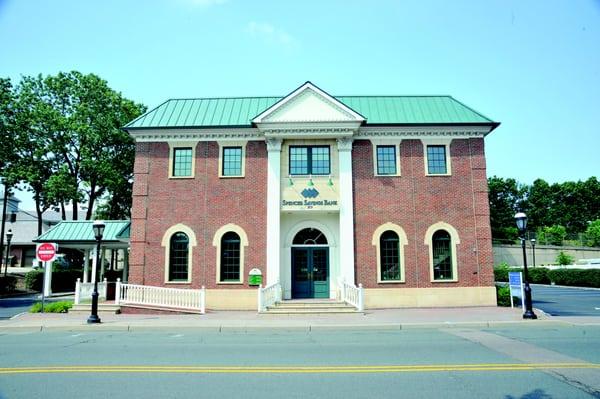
(311, 189)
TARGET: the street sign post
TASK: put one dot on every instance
(515, 283)
(46, 253)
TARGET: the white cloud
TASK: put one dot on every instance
(270, 34)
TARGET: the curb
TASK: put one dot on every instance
(283, 328)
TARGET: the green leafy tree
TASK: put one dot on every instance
(98, 156)
(32, 137)
(553, 235)
(593, 233)
(506, 197)
(540, 203)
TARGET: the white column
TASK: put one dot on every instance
(346, 246)
(94, 265)
(273, 209)
(86, 265)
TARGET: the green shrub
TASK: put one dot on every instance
(52, 307)
(564, 259)
(7, 284)
(62, 280)
(503, 295)
(576, 277)
(501, 272)
(539, 275)
(593, 233)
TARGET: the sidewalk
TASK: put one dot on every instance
(397, 319)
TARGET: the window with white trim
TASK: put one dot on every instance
(386, 160)
(232, 161)
(309, 160)
(389, 253)
(230, 257)
(182, 161)
(437, 163)
(178, 257)
(442, 255)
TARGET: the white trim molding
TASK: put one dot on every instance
(196, 134)
(166, 243)
(386, 142)
(445, 141)
(308, 100)
(228, 144)
(173, 145)
(402, 241)
(217, 243)
(454, 241)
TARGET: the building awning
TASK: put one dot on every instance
(79, 234)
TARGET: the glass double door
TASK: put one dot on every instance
(310, 272)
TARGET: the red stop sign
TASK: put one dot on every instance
(46, 252)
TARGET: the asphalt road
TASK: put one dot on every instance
(562, 301)
(12, 306)
(527, 362)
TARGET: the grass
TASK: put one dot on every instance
(52, 307)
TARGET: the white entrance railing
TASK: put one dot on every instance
(83, 291)
(269, 295)
(352, 294)
(161, 297)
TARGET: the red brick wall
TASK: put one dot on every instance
(204, 203)
(414, 202)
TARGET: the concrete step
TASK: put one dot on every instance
(102, 308)
(310, 306)
(310, 311)
(286, 304)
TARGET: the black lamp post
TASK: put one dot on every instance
(521, 220)
(98, 228)
(533, 250)
(9, 235)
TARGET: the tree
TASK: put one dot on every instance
(539, 204)
(593, 233)
(553, 235)
(70, 145)
(506, 197)
(97, 156)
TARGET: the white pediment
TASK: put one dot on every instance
(308, 104)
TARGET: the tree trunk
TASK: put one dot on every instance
(63, 213)
(38, 211)
(75, 209)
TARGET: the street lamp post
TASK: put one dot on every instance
(9, 235)
(533, 250)
(521, 220)
(98, 228)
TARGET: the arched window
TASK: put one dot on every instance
(230, 257)
(310, 236)
(442, 256)
(178, 257)
(389, 240)
(389, 256)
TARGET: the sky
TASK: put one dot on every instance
(532, 65)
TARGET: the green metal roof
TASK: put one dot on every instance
(81, 231)
(378, 110)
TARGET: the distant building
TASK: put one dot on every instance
(385, 191)
(24, 228)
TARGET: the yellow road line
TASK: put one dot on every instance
(297, 369)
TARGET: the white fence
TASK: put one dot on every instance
(83, 291)
(172, 298)
(269, 295)
(352, 294)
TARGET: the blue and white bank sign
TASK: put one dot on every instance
(515, 283)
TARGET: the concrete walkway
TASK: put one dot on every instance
(478, 317)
